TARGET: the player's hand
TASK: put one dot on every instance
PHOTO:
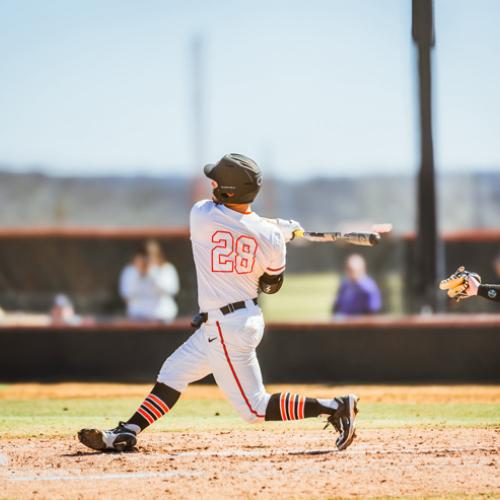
(288, 228)
(474, 283)
(461, 284)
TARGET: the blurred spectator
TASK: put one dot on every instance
(137, 288)
(496, 265)
(166, 281)
(358, 293)
(63, 312)
(148, 285)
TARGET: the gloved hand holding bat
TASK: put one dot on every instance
(292, 229)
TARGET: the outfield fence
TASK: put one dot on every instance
(451, 349)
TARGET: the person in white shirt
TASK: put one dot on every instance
(63, 312)
(138, 289)
(165, 280)
(236, 254)
(148, 285)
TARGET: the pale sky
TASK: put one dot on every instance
(324, 87)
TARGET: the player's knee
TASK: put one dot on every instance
(171, 380)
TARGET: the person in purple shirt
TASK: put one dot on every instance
(358, 293)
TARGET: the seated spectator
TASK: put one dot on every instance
(148, 285)
(166, 281)
(63, 312)
(358, 293)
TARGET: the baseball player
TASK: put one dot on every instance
(236, 254)
(463, 284)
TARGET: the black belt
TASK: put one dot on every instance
(235, 306)
(202, 317)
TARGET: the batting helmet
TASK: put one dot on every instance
(238, 179)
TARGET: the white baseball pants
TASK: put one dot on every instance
(224, 346)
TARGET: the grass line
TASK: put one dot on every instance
(24, 418)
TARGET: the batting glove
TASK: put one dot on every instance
(288, 228)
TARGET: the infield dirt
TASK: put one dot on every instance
(249, 462)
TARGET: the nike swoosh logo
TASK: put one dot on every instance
(211, 340)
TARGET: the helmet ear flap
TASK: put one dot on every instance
(217, 195)
(220, 197)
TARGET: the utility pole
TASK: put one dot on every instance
(427, 254)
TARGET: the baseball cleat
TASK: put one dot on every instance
(117, 439)
(344, 420)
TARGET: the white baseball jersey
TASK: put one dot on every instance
(231, 251)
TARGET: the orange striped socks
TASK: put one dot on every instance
(288, 406)
(152, 409)
(157, 403)
(291, 406)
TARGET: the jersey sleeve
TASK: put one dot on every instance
(491, 292)
(277, 262)
(197, 216)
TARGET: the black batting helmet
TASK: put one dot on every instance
(238, 178)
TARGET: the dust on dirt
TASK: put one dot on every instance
(264, 464)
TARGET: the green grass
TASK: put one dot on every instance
(303, 297)
(309, 297)
(24, 418)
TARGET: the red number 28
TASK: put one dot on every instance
(229, 255)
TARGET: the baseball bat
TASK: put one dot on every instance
(368, 239)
